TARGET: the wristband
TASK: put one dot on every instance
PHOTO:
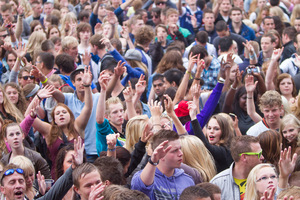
(190, 74)
(87, 85)
(198, 79)
(112, 150)
(152, 163)
(249, 97)
(45, 81)
(39, 97)
(233, 88)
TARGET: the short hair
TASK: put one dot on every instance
(47, 59)
(240, 145)
(55, 39)
(198, 49)
(160, 26)
(225, 43)
(202, 37)
(7, 167)
(235, 9)
(294, 178)
(23, 163)
(110, 169)
(133, 20)
(158, 77)
(174, 75)
(290, 31)
(6, 7)
(65, 62)
(269, 99)
(163, 135)
(207, 10)
(81, 171)
(47, 45)
(156, 10)
(144, 35)
(67, 42)
(111, 100)
(171, 11)
(221, 26)
(296, 38)
(274, 2)
(210, 188)
(283, 76)
(83, 26)
(267, 17)
(83, 14)
(95, 40)
(117, 44)
(270, 35)
(24, 69)
(193, 193)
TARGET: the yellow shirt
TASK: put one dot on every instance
(242, 186)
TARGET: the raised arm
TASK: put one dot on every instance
(20, 52)
(82, 120)
(103, 81)
(286, 165)
(140, 87)
(272, 69)
(128, 95)
(19, 27)
(156, 111)
(111, 140)
(250, 88)
(115, 87)
(252, 54)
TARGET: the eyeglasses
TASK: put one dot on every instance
(160, 3)
(252, 153)
(265, 178)
(11, 171)
(27, 77)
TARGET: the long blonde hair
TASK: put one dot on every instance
(34, 42)
(251, 193)
(196, 155)
(69, 17)
(134, 130)
(276, 11)
(295, 14)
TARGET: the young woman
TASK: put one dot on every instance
(197, 156)
(34, 42)
(286, 87)
(53, 31)
(36, 25)
(290, 132)
(16, 96)
(64, 127)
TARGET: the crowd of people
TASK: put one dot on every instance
(137, 99)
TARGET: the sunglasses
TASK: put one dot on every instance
(28, 77)
(11, 171)
(252, 153)
(160, 3)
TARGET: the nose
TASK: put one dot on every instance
(262, 158)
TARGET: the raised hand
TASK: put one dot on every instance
(107, 44)
(155, 108)
(173, 28)
(127, 93)
(140, 86)
(169, 105)
(77, 157)
(267, 195)
(276, 54)
(36, 72)
(103, 80)
(125, 32)
(194, 21)
(98, 28)
(86, 58)
(287, 162)
(160, 151)
(96, 191)
(120, 69)
(20, 10)
(46, 91)
(249, 47)
(249, 83)
(237, 78)
(225, 66)
(200, 66)
(147, 133)
(21, 50)
(192, 62)
(87, 77)
(35, 107)
(41, 183)
(111, 140)
(196, 91)
(192, 110)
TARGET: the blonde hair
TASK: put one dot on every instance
(23, 163)
(295, 14)
(34, 42)
(69, 17)
(251, 192)
(111, 100)
(276, 11)
(196, 155)
(134, 130)
(67, 42)
(289, 119)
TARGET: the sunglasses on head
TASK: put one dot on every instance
(252, 154)
(11, 171)
(160, 3)
(28, 77)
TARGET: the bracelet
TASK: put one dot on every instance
(198, 79)
(249, 97)
(221, 79)
(39, 97)
(111, 150)
(45, 81)
(86, 85)
(233, 88)
(190, 77)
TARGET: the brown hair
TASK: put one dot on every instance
(95, 40)
(269, 99)
(283, 76)
(83, 26)
(22, 103)
(171, 59)
(82, 170)
(163, 135)
(241, 144)
(144, 35)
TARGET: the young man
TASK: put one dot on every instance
(158, 86)
(37, 12)
(246, 153)
(194, 193)
(69, 45)
(164, 162)
(288, 36)
(172, 78)
(48, 7)
(221, 11)
(267, 25)
(225, 48)
(267, 46)
(237, 26)
(45, 63)
(272, 108)
(209, 25)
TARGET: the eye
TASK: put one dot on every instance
(264, 178)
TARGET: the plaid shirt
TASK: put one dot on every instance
(210, 75)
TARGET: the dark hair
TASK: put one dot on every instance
(267, 17)
(95, 40)
(290, 32)
(156, 10)
(235, 9)
(174, 75)
(202, 37)
(193, 193)
(55, 39)
(83, 26)
(198, 49)
(6, 7)
(83, 14)
(221, 26)
(274, 2)
(65, 63)
(271, 36)
(211, 188)
(279, 25)
(163, 135)
(201, 4)
(33, 24)
(47, 45)
(207, 10)
(225, 43)
(59, 161)
(47, 59)
(53, 19)
(117, 44)
(158, 77)
(227, 135)
(110, 169)
(241, 144)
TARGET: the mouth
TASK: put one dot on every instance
(211, 137)
(18, 194)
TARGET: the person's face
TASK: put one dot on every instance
(78, 84)
(12, 94)
(236, 16)
(253, 160)
(155, 18)
(239, 4)
(138, 25)
(297, 24)
(86, 182)
(261, 3)
(84, 35)
(225, 6)
(209, 20)
(223, 33)
(166, 124)
(158, 87)
(29, 180)
(6, 15)
(72, 51)
(161, 32)
(14, 137)
(290, 132)
(297, 45)
(56, 84)
(102, 10)
(48, 9)
(266, 179)
(57, 46)
(175, 156)
(116, 114)
(266, 44)
(53, 32)
(235, 48)
(217, 196)
(172, 19)
(167, 84)
(38, 28)
(286, 86)
(115, 3)
(11, 60)
(37, 9)
(61, 116)
(63, 12)
(107, 29)
(232, 73)
(68, 160)
(214, 132)
(14, 186)
(161, 4)
(243, 102)
(23, 82)
(145, 17)
(272, 114)
(268, 25)
(3, 35)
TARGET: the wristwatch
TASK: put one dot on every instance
(152, 163)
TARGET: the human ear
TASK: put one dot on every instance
(2, 190)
